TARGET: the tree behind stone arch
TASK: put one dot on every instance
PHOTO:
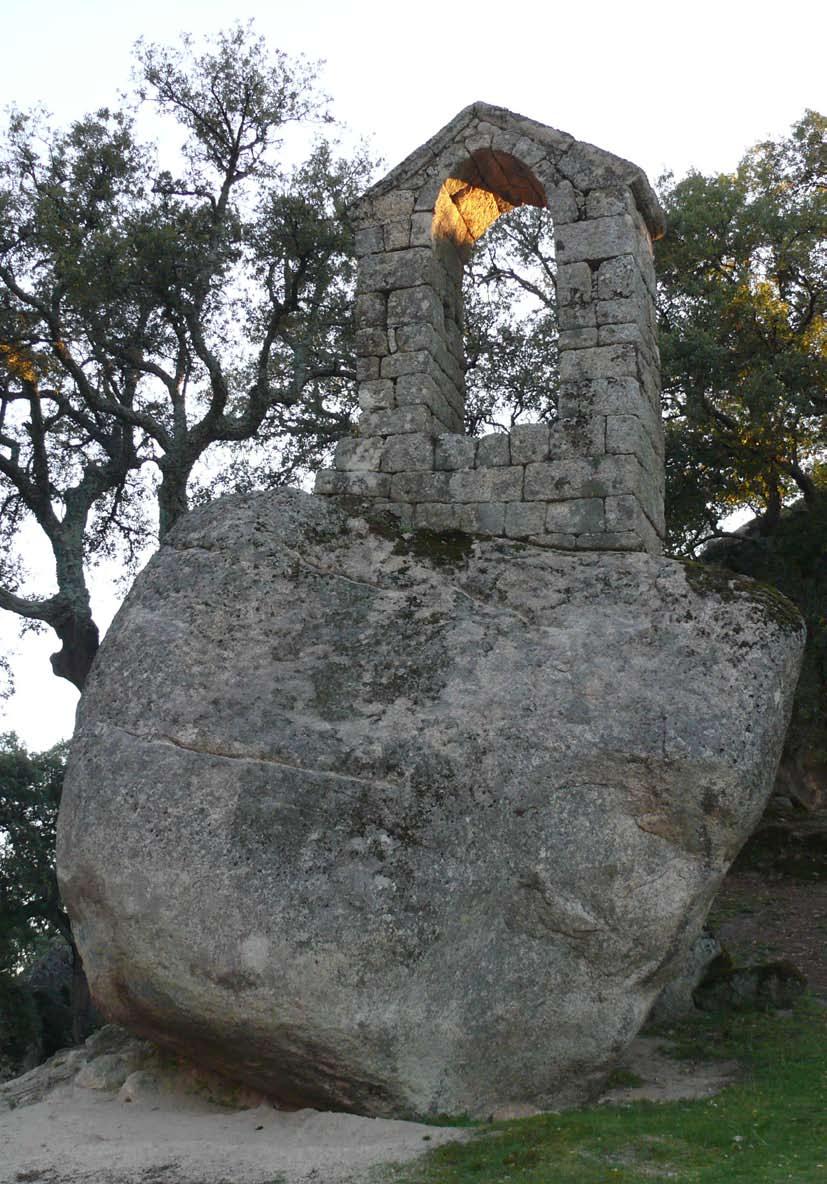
(146, 317)
(511, 329)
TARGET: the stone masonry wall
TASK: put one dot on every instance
(592, 479)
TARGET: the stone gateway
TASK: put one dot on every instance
(420, 821)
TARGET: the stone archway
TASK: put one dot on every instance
(594, 479)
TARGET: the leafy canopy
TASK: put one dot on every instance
(742, 276)
(30, 908)
(149, 317)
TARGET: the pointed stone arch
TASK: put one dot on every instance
(594, 479)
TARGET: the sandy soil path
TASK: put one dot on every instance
(77, 1136)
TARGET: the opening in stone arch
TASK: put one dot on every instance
(511, 332)
(485, 186)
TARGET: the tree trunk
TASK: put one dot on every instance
(172, 497)
(71, 613)
(772, 515)
(80, 638)
(806, 484)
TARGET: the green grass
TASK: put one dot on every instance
(623, 1079)
(769, 1128)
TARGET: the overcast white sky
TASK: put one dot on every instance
(669, 86)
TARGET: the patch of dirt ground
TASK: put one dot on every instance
(80, 1136)
(658, 1077)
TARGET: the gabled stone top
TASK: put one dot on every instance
(594, 478)
(576, 160)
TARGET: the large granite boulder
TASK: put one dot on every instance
(410, 825)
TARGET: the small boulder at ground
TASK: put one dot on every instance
(676, 1000)
(113, 1061)
(410, 825)
(770, 986)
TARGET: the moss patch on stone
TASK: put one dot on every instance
(449, 548)
(708, 579)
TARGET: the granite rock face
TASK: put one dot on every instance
(411, 824)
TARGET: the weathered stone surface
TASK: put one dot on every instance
(529, 442)
(578, 438)
(421, 487)
(377, 395)
(577, 516)
(398, 269)
(483, 518)
(367, 369)
(563, 203)
(455, 452)
(371, 342)
(409, 453)
(437, 516)
(359, 455)
(399, 421)
(588, 477)
(574, 283)
(596, 238)
(604, 203)
(408, 827)
(604, 361)
(524, 518)
(604, 396)
(419, 305)
(398, 235)
(611, 334)
(370, 309)
(580, 337)
(487, 485)
(359, 484)
(493, 450)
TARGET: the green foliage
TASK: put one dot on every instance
(149, 316)
(30, 908)
(770, 1127)
(742, 276)
(20, 1025)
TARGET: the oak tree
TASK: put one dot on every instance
(742, 276)
(150, 317)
